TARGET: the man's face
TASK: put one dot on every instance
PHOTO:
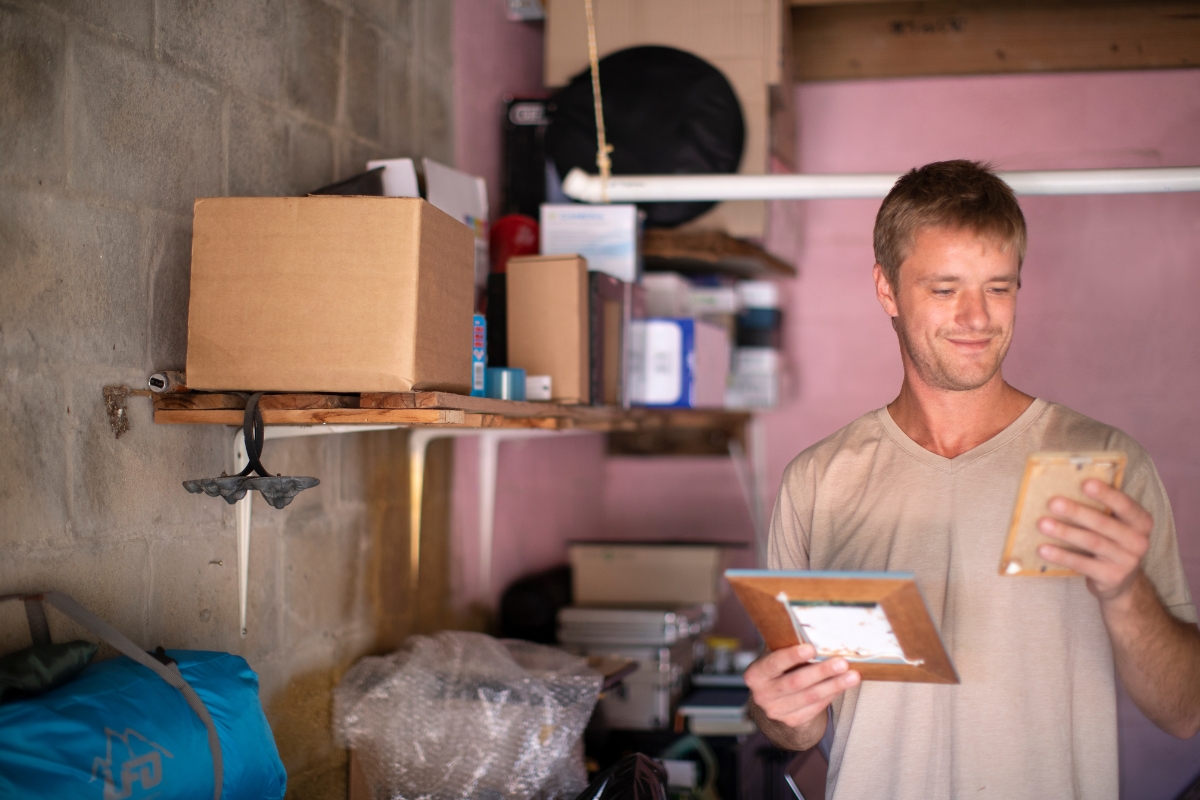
(954, 308)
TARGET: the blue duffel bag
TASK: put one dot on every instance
(135, 727)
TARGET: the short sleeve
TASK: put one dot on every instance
(1161, 564)
(787, 542)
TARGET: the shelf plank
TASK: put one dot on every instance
(196, 401)
(666, 427)
(710, 251)
(850, 41)
(315, 416)
(480, 405)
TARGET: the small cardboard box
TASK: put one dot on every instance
(548, 322)
(619, 574)
(329, 294)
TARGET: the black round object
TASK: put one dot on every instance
(666, 112)
(529, 607)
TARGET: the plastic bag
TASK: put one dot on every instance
(635, 777)
(463, 715)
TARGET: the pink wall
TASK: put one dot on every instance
(492, 57)
(1107, 321)
(548, 491)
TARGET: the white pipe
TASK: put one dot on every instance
(579, 185)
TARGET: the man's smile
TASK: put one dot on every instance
(970, 345)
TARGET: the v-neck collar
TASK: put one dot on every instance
(1014, 429)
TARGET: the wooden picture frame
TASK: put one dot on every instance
(1049, 475)
(770, 595)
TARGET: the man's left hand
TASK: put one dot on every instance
(1114, 544)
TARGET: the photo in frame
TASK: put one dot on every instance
(877, 621)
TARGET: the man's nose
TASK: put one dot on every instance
(972, 311)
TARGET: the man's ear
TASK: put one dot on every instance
(884, 293)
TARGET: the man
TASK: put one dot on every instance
(927, 485)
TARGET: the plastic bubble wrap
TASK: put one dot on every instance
(463, 715)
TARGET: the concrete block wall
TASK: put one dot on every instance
(114, 116)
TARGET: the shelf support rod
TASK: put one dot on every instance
(489, 457)
(749, 465)
(242, 510)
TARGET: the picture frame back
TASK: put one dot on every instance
(1049, 475)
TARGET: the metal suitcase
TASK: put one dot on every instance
(633, 626)
(662, 642)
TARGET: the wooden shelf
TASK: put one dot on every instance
(708, 252)
(442, 409)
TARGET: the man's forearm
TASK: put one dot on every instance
(1157, 658)
(786, 737)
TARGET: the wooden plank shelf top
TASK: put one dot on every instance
(710, 252)
(435, 409)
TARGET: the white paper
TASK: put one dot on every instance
(399, 176)
(852, 632)
(463, 197)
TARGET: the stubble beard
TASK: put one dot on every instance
(941, 373)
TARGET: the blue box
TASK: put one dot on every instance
(678, 363)
(479, 356)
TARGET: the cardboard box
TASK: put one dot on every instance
(329, 294)
(548, 322)
(605, 235)
(607, 339)
(666, 575)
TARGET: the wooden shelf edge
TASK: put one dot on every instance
(433, 409)
(691, 251)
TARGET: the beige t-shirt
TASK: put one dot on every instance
(1035, 714)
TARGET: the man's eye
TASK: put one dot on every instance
(943, 292)
(1000, 289)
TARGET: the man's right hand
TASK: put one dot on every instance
(791, 693)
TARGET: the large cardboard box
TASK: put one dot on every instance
(329, 294)
(667, 575)
(548, 322)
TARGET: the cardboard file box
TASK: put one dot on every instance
(605, 574)
(548, 322)
(329, 294)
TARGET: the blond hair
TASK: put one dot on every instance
(956, 194)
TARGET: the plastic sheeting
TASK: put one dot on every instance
(463, 715)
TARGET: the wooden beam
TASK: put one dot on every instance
(948, 37)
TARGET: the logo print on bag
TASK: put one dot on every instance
(141, 764)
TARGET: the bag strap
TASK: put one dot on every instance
(39, 628)
(109, 634)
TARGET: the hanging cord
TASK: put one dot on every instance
(603, 148)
